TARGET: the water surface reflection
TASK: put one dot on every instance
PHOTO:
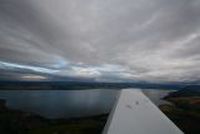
(61, 103)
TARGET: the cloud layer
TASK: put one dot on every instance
(103, 40)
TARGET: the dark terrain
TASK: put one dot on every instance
(184, 109)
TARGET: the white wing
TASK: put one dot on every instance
(134, 113)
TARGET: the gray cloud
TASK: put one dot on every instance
(108, 40)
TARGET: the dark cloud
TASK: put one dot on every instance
(105, 40)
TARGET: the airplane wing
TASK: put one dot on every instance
(134, 113)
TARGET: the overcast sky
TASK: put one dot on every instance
(103, 40)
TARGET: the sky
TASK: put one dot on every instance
(100, 40)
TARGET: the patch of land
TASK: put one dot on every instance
(184, 109)
(19, 122)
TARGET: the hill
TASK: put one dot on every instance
(184, 109)
(187, 91)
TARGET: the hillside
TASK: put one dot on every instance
(184, 109)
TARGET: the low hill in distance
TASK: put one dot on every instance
(70, 85)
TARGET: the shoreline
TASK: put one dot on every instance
(16, 121)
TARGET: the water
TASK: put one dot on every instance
(68, 103)
(156, 95)
(61, 104)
